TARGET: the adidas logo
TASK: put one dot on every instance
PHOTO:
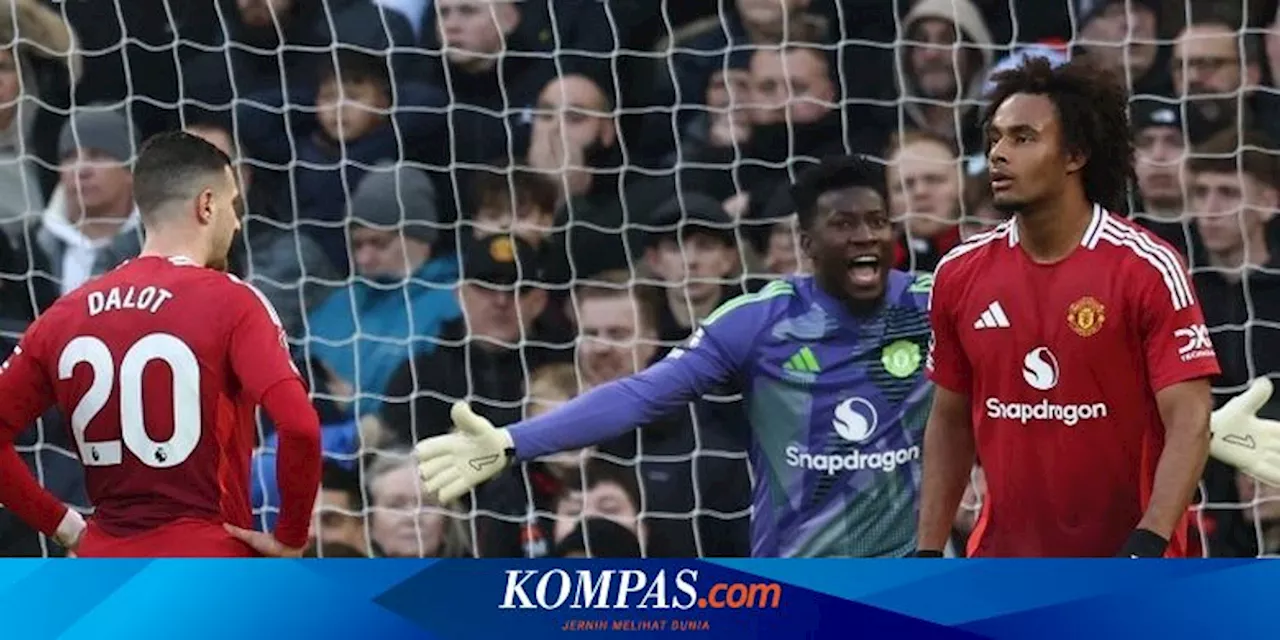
(802, 361)
(992, 318)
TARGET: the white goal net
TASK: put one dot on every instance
(510, 202)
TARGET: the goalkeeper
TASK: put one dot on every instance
(831, 367)
(831, 370)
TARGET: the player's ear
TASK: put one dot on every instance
(204, 206)
(1076, 160)
(806, 242)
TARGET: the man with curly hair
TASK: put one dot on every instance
(1070, 352)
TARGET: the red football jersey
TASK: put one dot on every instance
(1062, 363)
(159, 365)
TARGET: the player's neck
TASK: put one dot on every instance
(1050, 233)
(160, 246)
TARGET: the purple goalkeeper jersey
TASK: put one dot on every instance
(836, 404)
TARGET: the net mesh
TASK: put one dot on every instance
(667, 116)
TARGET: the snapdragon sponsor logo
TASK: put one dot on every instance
(1041, 372)
(854, 420)
(832, 463)
(1024, 412)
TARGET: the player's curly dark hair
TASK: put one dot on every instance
(1093, 108)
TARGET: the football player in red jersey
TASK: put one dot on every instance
(1070, 354)
(160, 364)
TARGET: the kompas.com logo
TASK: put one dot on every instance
(620, 589)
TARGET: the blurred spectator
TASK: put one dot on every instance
(599, 538)
(575, 145)
(946, 52)
(1234, 193)
(728, 123)
(92, 204)
(795, 118)
(602, 490)
(278, 261)
(404, 521)
(573, 131)
(1212, 71)
(717, 50)
(340, 510)
(402, 295)
(1160, 144)
(716, 138)
(273, 46)
(354, 126)
(521, 202)
(783, 254)
(774, 235)
(485, 354)
(695, 254)
(924, 197)
(37, 68)
(495, 58)
(1122, 35)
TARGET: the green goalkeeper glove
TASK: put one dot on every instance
(455, 463)
(1243, 440)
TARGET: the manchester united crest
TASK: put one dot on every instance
(1086, 315)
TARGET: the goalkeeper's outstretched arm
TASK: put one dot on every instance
(452, 464)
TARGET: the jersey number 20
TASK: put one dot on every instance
(186, 399)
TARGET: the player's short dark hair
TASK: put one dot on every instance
(835, 172)
(1093, 109)
(336, 477)
(174, 166)
(1251, 152)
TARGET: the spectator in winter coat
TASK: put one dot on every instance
(402, 293)
(93, 203)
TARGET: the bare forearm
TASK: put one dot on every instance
(948, 460)
(1186, 447)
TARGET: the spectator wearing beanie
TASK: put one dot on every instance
(400, 294)
(93, 202)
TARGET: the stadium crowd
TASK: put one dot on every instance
(510, 202)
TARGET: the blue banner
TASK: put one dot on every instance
(470, 599)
